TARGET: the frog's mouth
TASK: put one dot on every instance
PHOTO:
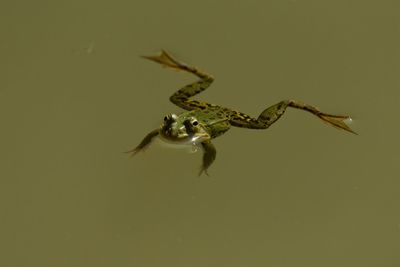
(185, 139)
(185, 134)
(181, 136)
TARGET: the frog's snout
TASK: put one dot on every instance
(170, 129)
(183, 130)
(170, 132)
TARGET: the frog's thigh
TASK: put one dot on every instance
(273, 113)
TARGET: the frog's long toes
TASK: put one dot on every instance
(336, 121)
(202, 170)
(166, 60)
(133, 152)
(158, 59)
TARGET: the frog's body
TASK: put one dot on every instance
(203, 121)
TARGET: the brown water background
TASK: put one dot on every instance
(74, 95)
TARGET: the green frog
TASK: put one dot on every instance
(203, 121)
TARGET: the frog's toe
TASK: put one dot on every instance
(133, 152)
(203, 170)
(167, 60)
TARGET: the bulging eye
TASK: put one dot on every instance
(195, 123)
(165, 118)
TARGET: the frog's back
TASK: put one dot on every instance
(214, 119)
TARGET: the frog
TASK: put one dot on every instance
(201, 122)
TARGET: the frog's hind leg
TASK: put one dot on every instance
(273, 113)
(181, 97)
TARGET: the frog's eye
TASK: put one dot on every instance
(195, 123)
(165, 118)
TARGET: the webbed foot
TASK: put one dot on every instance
(336, 121)
(166, 60)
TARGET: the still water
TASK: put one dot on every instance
(74, 95)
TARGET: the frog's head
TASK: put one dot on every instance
(184, 129)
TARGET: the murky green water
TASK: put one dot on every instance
(74, 95)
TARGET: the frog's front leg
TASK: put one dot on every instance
(273, 113)
(145, 142)
(209, 156)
